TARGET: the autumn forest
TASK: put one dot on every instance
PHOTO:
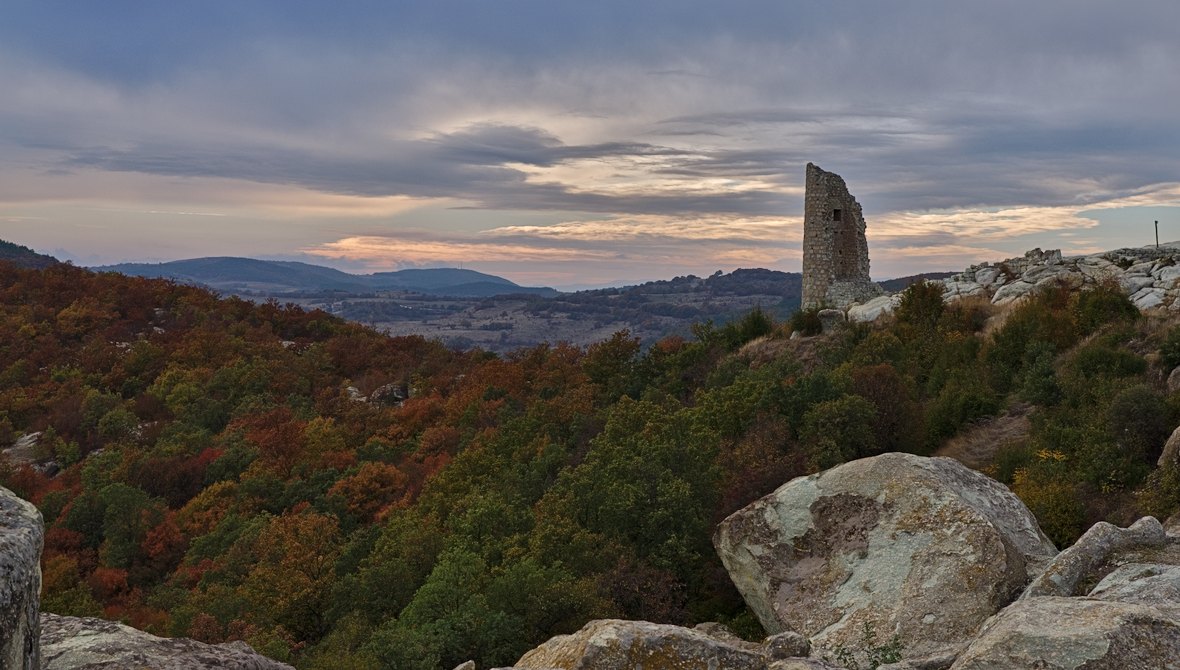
(218, 469)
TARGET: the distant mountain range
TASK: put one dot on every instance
(465, 308)
(248, 275)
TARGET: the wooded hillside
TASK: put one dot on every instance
(343, 499)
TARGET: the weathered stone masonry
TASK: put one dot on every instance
(835, 252)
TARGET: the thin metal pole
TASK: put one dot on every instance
(1157, 235)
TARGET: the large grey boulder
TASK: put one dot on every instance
(874, 309)
(74, 643)
(923, 549)
(1074, 634)
(612, 644)
(21, 537)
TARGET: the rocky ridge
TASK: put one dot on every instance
(1149, 275)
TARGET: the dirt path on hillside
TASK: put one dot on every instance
(976, 447)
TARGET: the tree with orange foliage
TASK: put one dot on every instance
(291, 582)
(370, 489)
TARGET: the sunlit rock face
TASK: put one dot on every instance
(21, 537)
(899, 547)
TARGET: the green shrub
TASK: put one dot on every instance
(806, 322)
(1099, 360)
(921, 305)
(1009, 459)
(1160, 496)
(1037, 379)
(837, 431)
(1105, 303)
(1055, 501)
(1170, 349)
(957, 404)
(1138, 421)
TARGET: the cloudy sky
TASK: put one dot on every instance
(579, 144)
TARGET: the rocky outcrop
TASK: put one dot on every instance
(1112, 600)
(21, 537)
(919, 551)
(1075, 633)
(1097, 547)
(610, 644)
(918, 558)
(72, 643)
(1150, 277)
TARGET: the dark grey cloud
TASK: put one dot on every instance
(471, 164)
(919, 104)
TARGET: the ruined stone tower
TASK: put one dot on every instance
(835, 253)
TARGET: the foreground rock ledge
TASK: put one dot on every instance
(68, 643)
(612, 644)
(1074, 634)
(21, 535)
(921, 548)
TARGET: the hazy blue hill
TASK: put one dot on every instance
(236, 275)
(230, 274)
(24, 257)
(434, 278)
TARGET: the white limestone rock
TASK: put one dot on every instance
(1168, 275)
(1041, 272)
(1073, 280)
(873, 309)
(957, 290)
(986, 276)
(923, 548)
(1140, 268)
(1148, 298)
(1011, 292)
(1134, 283)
